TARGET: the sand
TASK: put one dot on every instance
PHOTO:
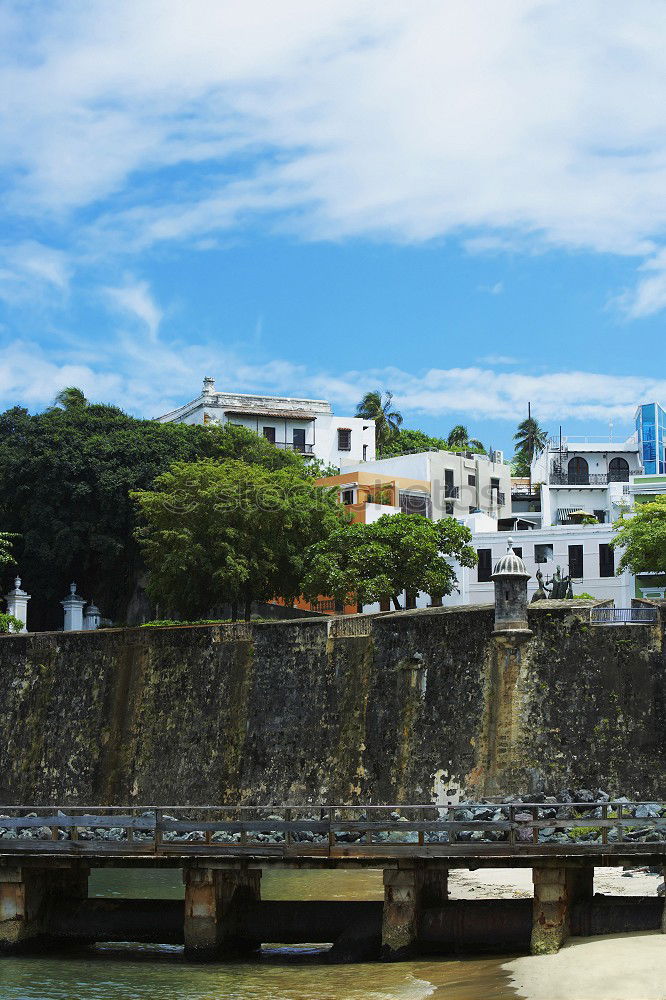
(619, 967)
(509, 883)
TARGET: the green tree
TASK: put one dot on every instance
(459, 440)
(71, 398)
(65, 479)
(6, 539)
(217, 532)
(376, 406)
(408, 441)
(643, 538)
(530, 439)
(396, 553)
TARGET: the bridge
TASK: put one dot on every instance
(46, 854)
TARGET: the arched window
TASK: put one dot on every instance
(578, 472)
(618, 470)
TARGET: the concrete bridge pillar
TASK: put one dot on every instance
(408, 890)
(213, 900)
(556, 890)
(24, 894)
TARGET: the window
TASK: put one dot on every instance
(618, 470)
(449, 488)
(471, 480)
(606, 560)
(344, 439)
(600, 516)
(365, 453)
(347, 496)
(298, 438)
(414, 503)
(576, 562)
(484, 567)
(448, 508)
(518, 549)
(578, 472)
(269, 434)
(543, 553)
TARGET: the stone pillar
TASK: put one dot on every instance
(407, 892)
(73, 607)
(17, 603)
(555, 891)
(213, 899)
(22, 892)
(92, 619)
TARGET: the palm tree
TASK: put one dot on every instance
(530, 439)
(71, 398)
(377, 406)
(459, 440)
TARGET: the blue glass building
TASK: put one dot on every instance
(651, 430)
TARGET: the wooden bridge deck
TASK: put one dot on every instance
(517, 833)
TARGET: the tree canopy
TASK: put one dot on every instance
(643, 538)
(230, 532)
(396, 553)
(530, 439)
(65, 479)
(376, 406)
(408, 441)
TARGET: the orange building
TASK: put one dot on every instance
(369, 495)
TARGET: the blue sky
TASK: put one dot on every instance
(462, 202)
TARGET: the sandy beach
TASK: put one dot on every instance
(618, 967)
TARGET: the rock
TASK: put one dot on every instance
(484, 815)
(584, 795)
(647, 810)
(602, 796)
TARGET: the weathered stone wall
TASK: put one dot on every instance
(427, 704)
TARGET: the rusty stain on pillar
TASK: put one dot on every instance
(214, 899)
(408, 891)
(556, 890)
(24, 894)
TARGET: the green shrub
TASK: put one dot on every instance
(8, 623)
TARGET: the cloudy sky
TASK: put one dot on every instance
(463, 201)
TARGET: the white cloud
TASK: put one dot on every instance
(528, 123)
(134, 299)
(649, 295)
(150, 377)
(499, 359)
(29, 269)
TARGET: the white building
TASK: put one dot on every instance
(580, 551)
(584, 475)
(306, 426)
(460, 483)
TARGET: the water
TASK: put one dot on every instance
(152, 972)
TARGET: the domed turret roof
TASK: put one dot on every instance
(510, 564)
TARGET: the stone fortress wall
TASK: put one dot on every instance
(428, 706)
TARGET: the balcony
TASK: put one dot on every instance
(302, 449)
(497, 499)
(570, 479)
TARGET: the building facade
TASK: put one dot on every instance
(306, 426)
(584, 475)
(651, 438)
(367, 496)
(459, 483)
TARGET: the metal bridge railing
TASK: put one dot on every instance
(623, 616)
